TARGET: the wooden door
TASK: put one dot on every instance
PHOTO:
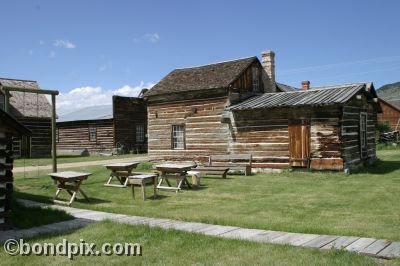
(299, 143)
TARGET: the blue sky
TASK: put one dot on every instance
(90, 50)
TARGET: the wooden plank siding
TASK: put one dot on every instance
(39, 144)
(264, 133)
(390, 115)
(350, 126)
(75, 135)
(204, 132)
(129, 112)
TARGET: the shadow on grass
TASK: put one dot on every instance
(45, 199)
(216, 177)
(381, 167)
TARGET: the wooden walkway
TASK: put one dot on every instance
(369, 246)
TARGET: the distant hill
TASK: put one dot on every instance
(390, 93)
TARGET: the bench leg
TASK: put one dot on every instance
(84, 195)
(155, 187)
(72, 198)
(57, 193)
(133, 192)
(143, 190)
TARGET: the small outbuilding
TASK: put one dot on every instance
(101, 128)
(9, 128)
(34, 112)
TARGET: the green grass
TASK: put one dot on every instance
(361, 204)
(388, 146)
(70, 159)
(24, 217)
(169, 247)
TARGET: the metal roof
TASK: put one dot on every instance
(98, 112)
(316, 96)
(285, 88)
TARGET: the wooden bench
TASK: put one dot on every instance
(221, 164)
(212, 170)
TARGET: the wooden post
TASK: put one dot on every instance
(53, 133)
(6, 102)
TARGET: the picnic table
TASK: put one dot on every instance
(121, 171)
(173, 171)
(69, 181)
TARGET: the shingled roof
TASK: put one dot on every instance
(26, 104)
(213, 76)
(318, 96)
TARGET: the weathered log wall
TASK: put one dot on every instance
(6, 179)
(264, 133)
(390, 115)
(350, 136)
(39, 144)
(75, 135)
(128, 113)
(205, 134)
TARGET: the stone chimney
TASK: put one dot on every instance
(268, 63)
(305, 85)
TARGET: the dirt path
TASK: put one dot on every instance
(78, 164)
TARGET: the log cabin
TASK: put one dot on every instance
(390, 114)
(34, 112)
(237, 107)
(101, 128)
(9, 128)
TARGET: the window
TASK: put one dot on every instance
(256, 79)
(139, 133)
(363, 133)
(178, 137)
(92, 133)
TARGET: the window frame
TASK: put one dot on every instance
(255, 81)
(363, 133)
(90, 128)
(183, 127)
(142, 131)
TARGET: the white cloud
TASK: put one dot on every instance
(90, 96)
(148, 37)
(52, 54)
(64, 44)
(151, 37)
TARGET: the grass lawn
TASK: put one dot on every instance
(70, 159)
(360, 204)
(169, 247)
(24, 217)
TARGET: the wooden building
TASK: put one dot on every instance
(236, 107)
(390, 114)
(9, 129)
(34, 112)
(102, 128)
